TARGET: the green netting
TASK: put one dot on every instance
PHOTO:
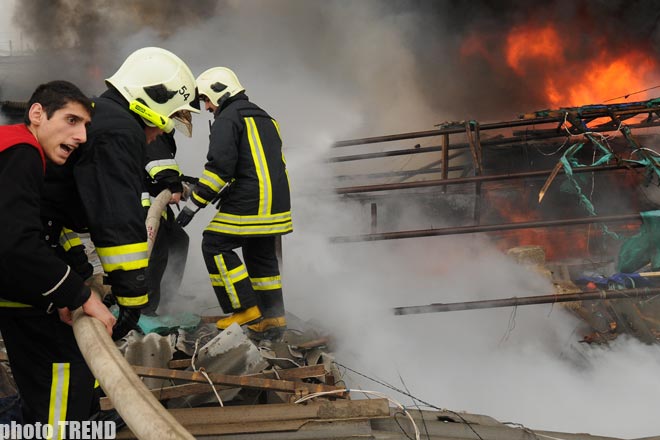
(642, 248)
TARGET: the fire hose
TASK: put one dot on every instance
(143, 414)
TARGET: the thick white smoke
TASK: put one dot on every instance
(335, 70)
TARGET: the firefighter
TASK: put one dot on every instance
(246, 175)
(44, 357)
(170, 252)
(151, 89)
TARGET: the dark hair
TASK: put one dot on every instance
(56, 94)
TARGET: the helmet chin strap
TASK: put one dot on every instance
(163, 122)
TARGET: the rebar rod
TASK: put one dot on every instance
(472, 179)
(485, 228)
(638, 293)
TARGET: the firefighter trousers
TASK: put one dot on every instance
(52, 377)
(238, 284)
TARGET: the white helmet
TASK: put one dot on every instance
(217, 83)
(158, 85)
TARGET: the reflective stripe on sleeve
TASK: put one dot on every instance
(123, 257)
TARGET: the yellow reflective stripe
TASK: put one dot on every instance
(59, 395)
(96, 383)
(267, 283)
(286, 171)
(199, 199)
(132, 300)
(123, 257)
(237, 274)
(261, 167)
(156, 166)
(229, 287)
(13, 304)
(69, 239)
(216, 280)
(212, 180)
(223, 217)
(146, 199)
(223, 228)
(277, 127)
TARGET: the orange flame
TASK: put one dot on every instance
(525, 43)
(606, 74)
(569, 82)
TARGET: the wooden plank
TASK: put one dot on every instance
(301, 372)
(199, 388)
(240, 381)
(172, 392)
(179, 363)
(304, 429)
(273, 417)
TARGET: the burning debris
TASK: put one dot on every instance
(512, 177)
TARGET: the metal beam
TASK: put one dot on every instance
(639, 293)
(486, 228)
(474, 179)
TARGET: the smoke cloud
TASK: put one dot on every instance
(340, 69)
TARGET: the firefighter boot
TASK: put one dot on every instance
(247, 316)
(271, 329)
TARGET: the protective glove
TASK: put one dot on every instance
(127, 321)
(186, 214)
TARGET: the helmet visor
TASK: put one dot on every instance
(183, 122)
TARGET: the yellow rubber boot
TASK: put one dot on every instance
(247, 316)
(268, 328)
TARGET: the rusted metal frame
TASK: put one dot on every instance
(472, 179)
(556, 132)
(403, 174)
(444, 145)
(518, 137)
(476, 162)
(431, 166)
(436, 132)
(485, 228)
(374, 217)
(601, 295)
(236, 381)
(558, 116)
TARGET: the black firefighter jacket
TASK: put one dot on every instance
(245, 153)
(30, 273)
(99, 190)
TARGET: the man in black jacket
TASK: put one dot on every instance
(151, 89)
(53, 379)
(246, 172)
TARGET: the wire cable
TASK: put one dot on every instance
(203, 371)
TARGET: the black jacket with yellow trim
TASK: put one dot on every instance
(162, 169)
(99, 190)
(30, 273)
(245, 151)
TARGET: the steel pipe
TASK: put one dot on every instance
(639, 293)
(485, 228)
(474, 179)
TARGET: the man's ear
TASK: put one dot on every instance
(36, 114)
